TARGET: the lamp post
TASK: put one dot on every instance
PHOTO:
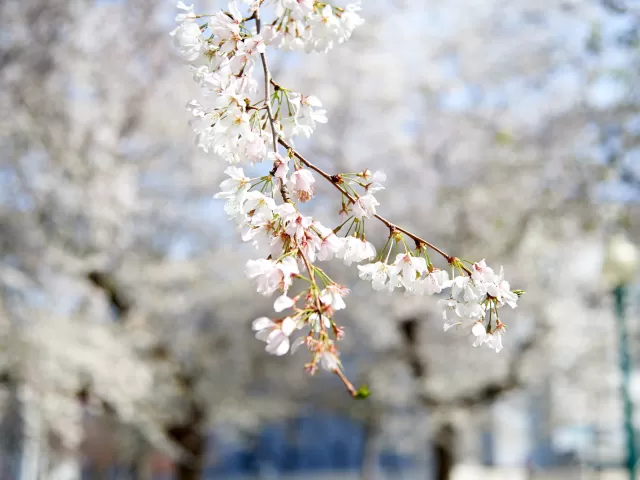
(621, 264)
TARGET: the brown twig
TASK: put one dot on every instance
(335, 181)
(267, 101)
(316, 296)
(352, 390)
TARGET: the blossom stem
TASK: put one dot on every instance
(350, 388)
(339, 227)
(379, 257)
(267, 101)
(314, 286)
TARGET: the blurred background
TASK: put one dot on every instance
(509, 130)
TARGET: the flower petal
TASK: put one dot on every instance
(288, 326)
(262, 323)
(282, 303)
(296, 344)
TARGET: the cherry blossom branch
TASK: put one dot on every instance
(335, 181)
(234, 127)
(356, 393)
(267, 83)
(312, 278)
(350, 388)
(267, 96)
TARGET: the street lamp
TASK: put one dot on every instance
(621, 263)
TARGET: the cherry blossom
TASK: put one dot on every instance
(330, 244)
(280, 164)
(410, 267)
(435, 282)
(376, 272)
(501, 290)
(283, 302)
(329, 361)
(188, 12)
(333, 296)
(276, 335)
(189, 40)
(301, 183)
(356, 250)
(480, 332)
(365, 206)
(271, 276)
(225, 25)
(245, 118)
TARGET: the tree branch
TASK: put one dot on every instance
(119, 301)
(481, 396)
(267, 101)
(335, 181)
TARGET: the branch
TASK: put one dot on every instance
(267, 100)
(179, 438)
(335, 181)
(481, 396)
(493, 390)
(118, 300)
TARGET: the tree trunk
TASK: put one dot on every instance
(67, 467)
(369, 466)
(445, 442)
(32, 439)
(12, 430)
(193, 440)
(135, 469)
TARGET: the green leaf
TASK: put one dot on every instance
(362, 393)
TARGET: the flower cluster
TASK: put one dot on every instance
(311, 26)
(475, 293)
(243, 120)
(474, 298)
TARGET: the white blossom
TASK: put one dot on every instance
(466, 290)
(317, 322)
(188, 12)
(234, 190)
(260, 206)
(276, 335)
(281, 165)
(330, 244)
(501, 290)
(297, 226)
(283, 302)
(449, 314)
(365, 206)
(329, 361)
(375, 180)
(333, 295)
(435, 282)
(271, 276)
(410, 266)
(189, 40)
(376, 272)
(306, 111)
(224, 26)
(301, 184)
(494, 340)
(480, 332)
(356, 250)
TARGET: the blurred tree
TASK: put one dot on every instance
(122, 295)
(491, 157)
(117, 289)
